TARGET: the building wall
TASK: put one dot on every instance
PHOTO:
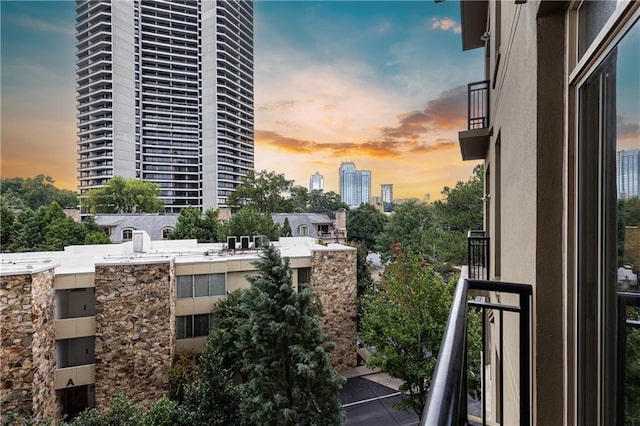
(27, 345)
(524, 165)
(135, 330)
(333, 277)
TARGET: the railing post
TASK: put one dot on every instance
(525, 356)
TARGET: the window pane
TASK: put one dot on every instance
(201, 285)
(183, 327)
(217, 285)
(200, 325)
(185, 288)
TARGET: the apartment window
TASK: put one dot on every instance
(303, 231)
(201, 285)
(304, 277)
(190, 326)
(127, 234)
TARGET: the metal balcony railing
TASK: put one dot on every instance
(447, 400)
(478, 258)
(478, 105)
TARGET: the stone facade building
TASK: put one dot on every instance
(79, 326)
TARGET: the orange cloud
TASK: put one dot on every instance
(446, 24)
(447, 112)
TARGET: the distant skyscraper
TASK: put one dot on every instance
(386, 192)
(165, 94)
(628, 173)
(355, 185)
(316, 182)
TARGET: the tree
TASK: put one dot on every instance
(262, 191)
(193, 225)
(248, 221)
(122, 195)
(405, 318)
(213, 398)
(37, 192)
(325, 202)
(408, 227)
(286, 354)
(286, 228)
(364, 224)
(460, 210)
(299, 199)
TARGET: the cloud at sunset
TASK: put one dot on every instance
(446, 24)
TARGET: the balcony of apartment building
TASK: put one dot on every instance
(504, 312)
(475, 140)
(75, 330)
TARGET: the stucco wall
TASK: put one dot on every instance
(135, 331)
(333, 277)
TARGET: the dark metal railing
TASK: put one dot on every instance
(478, 255)
(478, 104)
(625, 325)
(447, 399)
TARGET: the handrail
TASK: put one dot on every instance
(446, 402)
(447, 399)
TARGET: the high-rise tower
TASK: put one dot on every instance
(165, 94)
(355, 185)
(628, 173)
(316, 182)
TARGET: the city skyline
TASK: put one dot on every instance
(382, 84)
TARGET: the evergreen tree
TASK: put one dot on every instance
(290, 380)
(286, 228)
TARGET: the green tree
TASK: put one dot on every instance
(38, 191)
(325, 202)
(299, 199)
(249, 221)
(264, 191)
(405, 318)
(193, 225)
(7, 222)
(408, 227)
(286, 228)
(213, 398)
(460, 210)
(122, 412)
(290, 380)
(122, 195)
(365, 224)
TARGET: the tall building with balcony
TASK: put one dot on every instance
(355, 185)
(316, 182)
(165, 94)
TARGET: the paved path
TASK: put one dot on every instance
(369, 403)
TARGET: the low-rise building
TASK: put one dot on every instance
(81, 325)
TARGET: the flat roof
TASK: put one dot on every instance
(82, 259)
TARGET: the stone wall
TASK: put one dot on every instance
(27, 345)
(333, 278)
(632, 245)
(135, 331)
(44, 345)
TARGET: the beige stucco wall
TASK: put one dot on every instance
(526, 234)
(135, 331)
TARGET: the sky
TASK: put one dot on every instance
(379, 83)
